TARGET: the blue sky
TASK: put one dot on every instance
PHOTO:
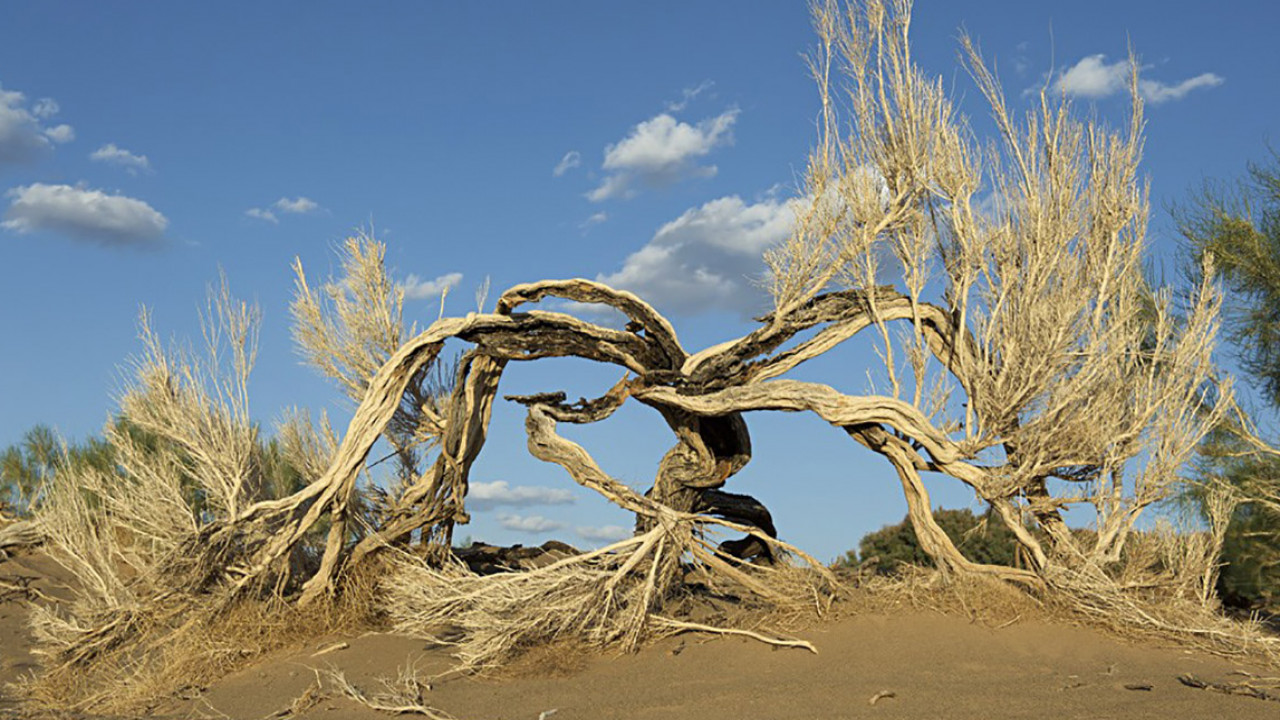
(144, 145)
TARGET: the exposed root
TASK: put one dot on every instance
(682, 626)
(608, 598)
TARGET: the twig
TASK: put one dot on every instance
(331, 648)
(882, 695)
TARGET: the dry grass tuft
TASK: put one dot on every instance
(982, 599)
(402, 696)
(1145, 612)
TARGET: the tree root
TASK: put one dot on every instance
(682, 626)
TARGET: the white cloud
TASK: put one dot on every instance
(571, 159)
(1158, 92)
(661, 151)
(60, 134)
(688, 95)
(528, 523)
(113, 155)
(83, 214)
(23, 134)
(261, 214)
(298, 205)
(706, 258)
(486, 496)
(1093, 77)
(415, 288)
(607, 533)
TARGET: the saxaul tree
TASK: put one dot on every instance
(1023, 354)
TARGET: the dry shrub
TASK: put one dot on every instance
(149, 539)
(173, 650)
(1160, 605)
(1157, 607)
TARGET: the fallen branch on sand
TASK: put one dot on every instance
(1240, 688)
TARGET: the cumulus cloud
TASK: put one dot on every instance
(571, 159)
(24, 135)
(113, 155)
(1093, 77)
(661, 151)
(83, 214)
(415, 288)
(528, 523)
(297, 206)
(486, 496)
(604, 533)
(706, 258)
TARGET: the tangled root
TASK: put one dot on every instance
(614, 597)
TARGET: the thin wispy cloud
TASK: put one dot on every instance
(688, 95)
(1095, 78)
(289, 206)
(528, 523)
(604, 533)
(84, 214)
(24, 133)
(416, 288)
(571, 160)
(46, 108)
(1021, 63)
(111, 154)
(707, 258)
(592, 221)
(262, 214)
(662, 151)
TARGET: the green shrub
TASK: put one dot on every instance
(894, 546)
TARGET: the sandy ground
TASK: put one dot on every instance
(921, 664)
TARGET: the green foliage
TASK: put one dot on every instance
(1249, 578)
(28, 464)
(897, 545)
(1239, 228)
